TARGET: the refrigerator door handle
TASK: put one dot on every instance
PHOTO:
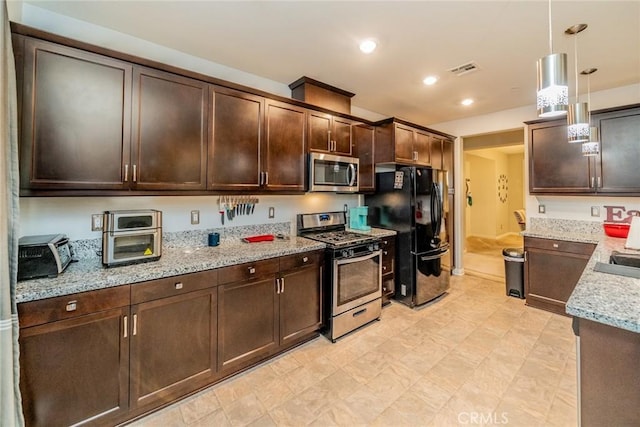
(432, 257)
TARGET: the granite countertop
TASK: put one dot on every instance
(88, 274)
(605, 298)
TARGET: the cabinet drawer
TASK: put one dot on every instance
(299, 260)
(65, 307)
(559, 245)
(175, 285)
(248, 270)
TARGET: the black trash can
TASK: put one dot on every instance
(514, 271)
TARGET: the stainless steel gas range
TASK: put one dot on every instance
(353, 280)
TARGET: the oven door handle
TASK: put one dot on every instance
(432, 257)
(358, 259)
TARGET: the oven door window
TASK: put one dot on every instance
(356, 281)
(133, 246)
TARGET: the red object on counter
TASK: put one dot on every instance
(262, 238)
(616, 229)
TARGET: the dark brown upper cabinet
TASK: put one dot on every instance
(400, 142)
(364, 141)
(329, 134)
(284, 152)
(234, 149)
(617, 165)
(558, 167)
(255, 144)
(169, 135)
(75, 117)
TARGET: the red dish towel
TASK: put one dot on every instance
(263, 238)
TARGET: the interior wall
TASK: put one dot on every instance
(515, 172)
(482, 212)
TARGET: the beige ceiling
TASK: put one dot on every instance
(283, 41)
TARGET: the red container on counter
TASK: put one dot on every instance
(616, 229)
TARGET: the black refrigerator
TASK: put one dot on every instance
(413, 202)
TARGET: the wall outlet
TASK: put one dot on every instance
(595, 211)
(403, 290)
(195, 217)
(96, 222)
(542, 209)
(272, 212)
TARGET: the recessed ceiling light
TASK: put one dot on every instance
(467, 102)
(368, 46)
(430, 80)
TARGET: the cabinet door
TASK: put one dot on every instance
(173, 343)
(556, 166)
(422, 147)
(341, 136)
(618, 170)
(319, 128)
(234, 149)
(76, 119)
(75, 370)
(404, 143)
(300, 303)
(169, 131)
(363, 137)
(437, 161)
(247, 323)
(285, 151)
(388, 246)
(551, 277)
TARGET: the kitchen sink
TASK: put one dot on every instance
(621, 264)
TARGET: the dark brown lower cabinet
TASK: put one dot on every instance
(609, 375)
(75, 370)
(173, 342)
(388, 246)
(552, 270)
(107, 356)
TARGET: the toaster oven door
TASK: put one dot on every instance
(117, 221)
(130, 246)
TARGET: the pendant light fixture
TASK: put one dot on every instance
(578, 114)
(591, 147)
(553, 91)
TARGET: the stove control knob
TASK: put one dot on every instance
(350, 252)
(345, 253)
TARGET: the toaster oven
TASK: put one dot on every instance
(43, 256)
(131, 236)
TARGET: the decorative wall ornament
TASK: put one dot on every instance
(503, 188)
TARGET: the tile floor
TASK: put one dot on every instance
(483, 257)
(475, 357)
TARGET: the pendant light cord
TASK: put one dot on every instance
(550, 32)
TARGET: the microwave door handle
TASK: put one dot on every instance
(352, 174)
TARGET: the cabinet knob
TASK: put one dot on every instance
(71, 306)
(178, 285)
(305, 259)
(555, 245)
(252, 270)
(385, 253)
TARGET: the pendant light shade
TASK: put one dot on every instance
(592, 147)
(578, 122)
(553, 91)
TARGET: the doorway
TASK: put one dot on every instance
(493, 171)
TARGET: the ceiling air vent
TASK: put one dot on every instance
(464, 68)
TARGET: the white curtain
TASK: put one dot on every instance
(10, 402)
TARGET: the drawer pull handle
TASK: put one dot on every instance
(359, 312)
(178, 285)
(252, 270)
(305, 259)
(71, 306)
(555, 245)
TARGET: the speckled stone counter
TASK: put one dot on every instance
(605, 298)
(183, 252)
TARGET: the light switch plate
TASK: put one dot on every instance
(96, 222)
(542, 209)
(595, 211)
(272, 212)
(195, 217)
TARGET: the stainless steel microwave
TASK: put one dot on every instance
(131, 236)
(328, 172)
